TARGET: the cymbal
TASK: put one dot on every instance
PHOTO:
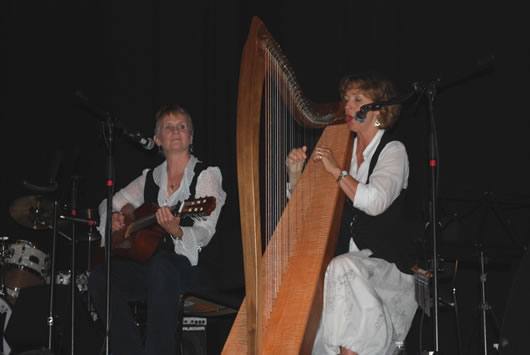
(32, 211)
(83, 232)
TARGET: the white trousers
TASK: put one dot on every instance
(368, 306)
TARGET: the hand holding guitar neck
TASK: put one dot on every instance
(140, 235)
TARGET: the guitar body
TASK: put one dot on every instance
(140, 245)
(141, 235)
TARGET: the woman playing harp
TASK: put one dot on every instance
(283, 284)
(369, 299)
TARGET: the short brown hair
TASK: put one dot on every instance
(377, 88)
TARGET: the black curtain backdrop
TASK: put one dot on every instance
(128, 58)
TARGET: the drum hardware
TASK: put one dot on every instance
(480, 252)
(64, 278)
(51, 317)
(86, 230)
(5, 308)
(4, 253)
(25, 265)
(33, 211)
(5, 315)
(484, 306)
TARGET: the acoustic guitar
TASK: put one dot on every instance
(141, 235)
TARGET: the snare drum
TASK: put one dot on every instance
(26, 265)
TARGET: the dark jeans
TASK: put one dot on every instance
(159, 282)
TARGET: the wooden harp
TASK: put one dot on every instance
(281, 310)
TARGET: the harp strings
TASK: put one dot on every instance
(282, 134)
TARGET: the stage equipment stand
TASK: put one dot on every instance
(51, 317)
(75, 189)
(108, 123)
(108, 133)
(430, 90)
(484, 305)
(51, 188)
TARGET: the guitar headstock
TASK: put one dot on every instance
(199, 207)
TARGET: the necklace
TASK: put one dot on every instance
(172, 188)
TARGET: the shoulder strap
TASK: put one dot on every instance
(150, 188)
(188, 222)
(199, 167)
(382, 143)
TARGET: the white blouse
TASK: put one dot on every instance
(209, 183)
(389, 177)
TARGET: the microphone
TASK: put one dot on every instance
(360, 116)
(146, 142)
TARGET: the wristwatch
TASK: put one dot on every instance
(342, 174)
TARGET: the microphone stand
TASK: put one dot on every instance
(109, 134)
(75, 189)
(430, 89)
(51, 318)
(108, 123)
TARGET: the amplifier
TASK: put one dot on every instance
(194, 336)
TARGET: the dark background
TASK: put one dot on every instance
(128, 58)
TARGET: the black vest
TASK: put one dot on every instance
(390, 235)
(151, 190)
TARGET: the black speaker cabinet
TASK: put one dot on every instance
(28, 329)
(194, 336)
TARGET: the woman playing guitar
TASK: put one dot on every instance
(161, 274)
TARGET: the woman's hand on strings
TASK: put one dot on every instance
(295, 163)
(325, 156)
(168, 221)
(295, 160)
(118, 221)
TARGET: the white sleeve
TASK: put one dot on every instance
(131, 194)
(209, 183)
(389, 177)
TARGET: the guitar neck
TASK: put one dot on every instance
(148, 221)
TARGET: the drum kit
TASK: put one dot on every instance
(23, 265)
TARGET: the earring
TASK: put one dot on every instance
(377, 123)
(191, 148)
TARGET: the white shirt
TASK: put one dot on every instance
(389, 177)
(209, 183)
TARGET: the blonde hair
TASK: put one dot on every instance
(175, 110)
